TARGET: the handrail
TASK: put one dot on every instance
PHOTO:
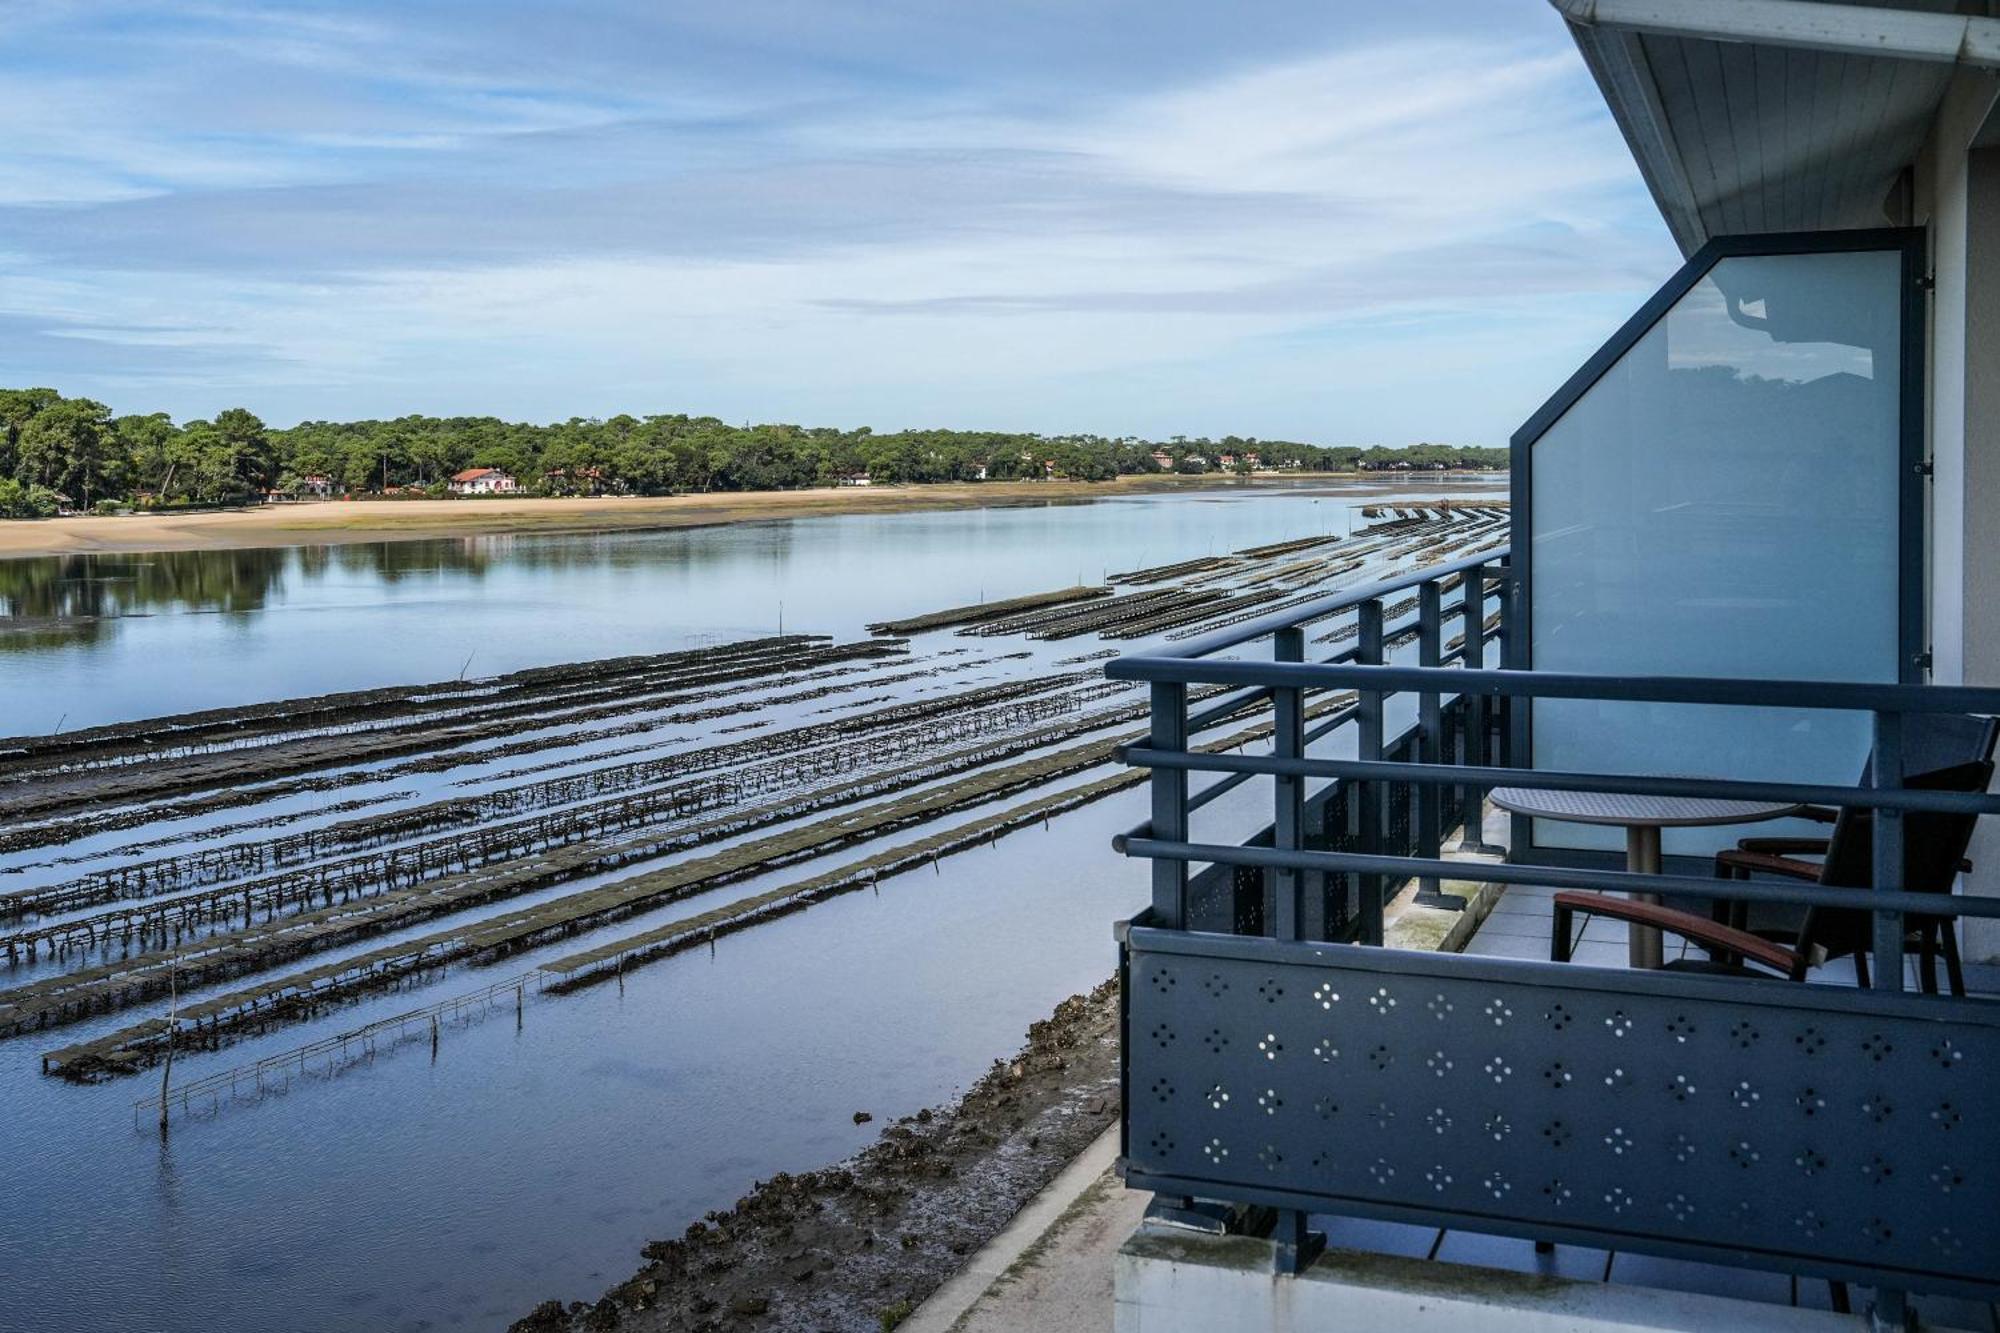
(1330, 604)
(1571, 877)
(1229, 705)
(1483, 775)
(1838, 696)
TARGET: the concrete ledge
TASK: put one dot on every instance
(1408, 925)
(1177, 1282)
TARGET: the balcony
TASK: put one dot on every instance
(1282, 1064)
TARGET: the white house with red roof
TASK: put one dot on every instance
(484, 481)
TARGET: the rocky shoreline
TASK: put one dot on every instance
(858, 1245)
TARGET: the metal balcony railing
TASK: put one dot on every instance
(1274, 1057)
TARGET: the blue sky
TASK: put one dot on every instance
(1349, 222)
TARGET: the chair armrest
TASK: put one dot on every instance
(1763, 863)
(1676, 922)
(1784, 846)
(1818, 814)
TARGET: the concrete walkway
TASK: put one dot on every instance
(1051, 1268)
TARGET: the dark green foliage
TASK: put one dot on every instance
(73, 446)
(19, 501)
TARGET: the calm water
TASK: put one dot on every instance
(533, 1164)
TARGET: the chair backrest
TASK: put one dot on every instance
(1936, 749)
(1933, 845)
(1932, 741)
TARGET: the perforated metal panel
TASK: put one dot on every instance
(1805, 1128)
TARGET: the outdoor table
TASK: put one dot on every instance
(1642, 818)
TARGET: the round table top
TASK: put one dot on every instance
(1600, 807)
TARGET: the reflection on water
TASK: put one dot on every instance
(73, 595)
(85, 637)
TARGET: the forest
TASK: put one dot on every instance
(62, 454)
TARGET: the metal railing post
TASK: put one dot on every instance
(1170, 812)
(1430, 745)
(1288, 823)
(1887, 770)
(1477, 711)
(1367, 795)
(1297, 1244)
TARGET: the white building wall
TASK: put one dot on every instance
(1958, 196)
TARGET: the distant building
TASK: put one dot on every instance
(315, 487)
(1163, 460)
(855, 479)
(484, 481)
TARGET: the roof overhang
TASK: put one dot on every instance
(1776, 115)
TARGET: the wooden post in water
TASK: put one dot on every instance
(173, 1010)
(434, 1038)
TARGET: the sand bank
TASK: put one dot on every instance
(339, 521)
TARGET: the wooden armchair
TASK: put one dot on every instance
(1934, 847)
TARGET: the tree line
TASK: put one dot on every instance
(58, 453)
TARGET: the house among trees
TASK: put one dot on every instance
(484, 481)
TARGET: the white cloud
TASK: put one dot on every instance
(1128, 261)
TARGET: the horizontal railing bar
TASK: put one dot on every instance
(1215, 789)
(1225, 708)
(1235, 780)
(1331, 604)
(1839, 696)
(1464, 775)
(1566, 877)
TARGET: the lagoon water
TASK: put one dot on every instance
(522, 1165)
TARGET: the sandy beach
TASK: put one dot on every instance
(341, 521)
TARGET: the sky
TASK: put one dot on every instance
(1349, 222)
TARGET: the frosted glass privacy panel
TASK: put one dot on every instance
(1723, 502)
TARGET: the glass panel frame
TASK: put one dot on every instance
(1908, 245)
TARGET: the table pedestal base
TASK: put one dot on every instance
(1642, 857)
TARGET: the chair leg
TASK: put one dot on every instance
(1927, 957)
(1559, 945)
(1861, 968)
(1954, 971)
(1837, 1297)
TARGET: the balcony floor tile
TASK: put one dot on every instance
(1534, 924)
(1522, 900)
